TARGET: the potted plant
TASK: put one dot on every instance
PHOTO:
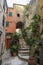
(32, 43)
(35, 28)
(13, 50)
(14, 44)
(16, 36)
(33, 39)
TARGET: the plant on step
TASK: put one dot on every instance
(15, 39)
(16, 36)
(14, 43)
(35, 28)
(33, 39)
(34, 25)
(13, 48)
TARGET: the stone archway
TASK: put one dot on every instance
(19, 25)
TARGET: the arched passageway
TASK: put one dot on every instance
(19, 25)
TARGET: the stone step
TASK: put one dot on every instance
(23, 48)
(25, 54)
(22, 51)
(23, 57)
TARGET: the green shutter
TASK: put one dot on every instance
(3, 22)
(7, 24)
(10, 13)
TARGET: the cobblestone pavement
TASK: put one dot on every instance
(14, 61)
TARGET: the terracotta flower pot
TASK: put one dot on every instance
(14, 53)
(32, 61)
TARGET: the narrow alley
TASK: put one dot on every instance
(21, 32)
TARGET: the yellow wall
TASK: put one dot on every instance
(41, 8)
(19, 10)
(41, 14)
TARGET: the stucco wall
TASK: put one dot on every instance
(19, 10)
(12, 21)
(2, 28)
(33, 9)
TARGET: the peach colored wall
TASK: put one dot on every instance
(11, 20)
(12, 25)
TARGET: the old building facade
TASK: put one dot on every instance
(33, 9)
(41, 14)
(3, 10)
(41, 31)
(19, 15)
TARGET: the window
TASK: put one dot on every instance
(7, 24)
(18, 15)
(3, 22)
(10, 13)
(4, 6)
(1, 43)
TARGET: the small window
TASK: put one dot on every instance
(10, 13)
(3, 22)
(18, 15)
(7, 24)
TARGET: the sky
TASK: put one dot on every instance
(10, 2)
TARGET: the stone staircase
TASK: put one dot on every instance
(23, 50)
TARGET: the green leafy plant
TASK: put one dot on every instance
(26, 7)
(14, 43)
(35, 28)
(13, 48)
(41, 36)
(16, 36)
(34, 25)
(24, 33)
(33, 39)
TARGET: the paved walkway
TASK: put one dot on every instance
(14, 61)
